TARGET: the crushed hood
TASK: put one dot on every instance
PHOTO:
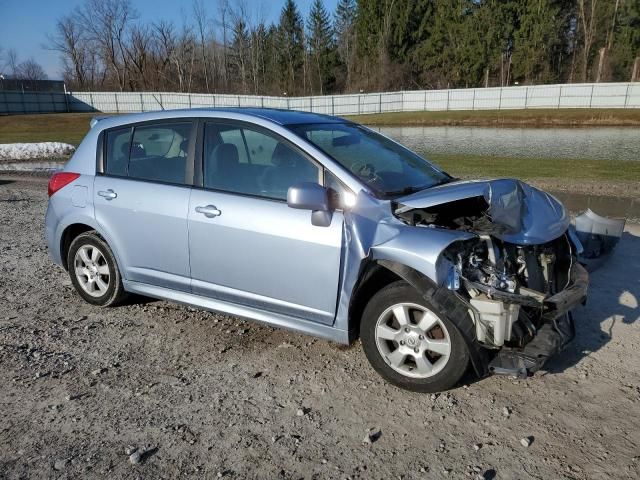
(522, 214)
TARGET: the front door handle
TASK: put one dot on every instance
(209, 211)
(108, 194)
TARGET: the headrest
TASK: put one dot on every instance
(283, 156)
(226, 155)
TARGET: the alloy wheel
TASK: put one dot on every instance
(92, 270)
(413, 340)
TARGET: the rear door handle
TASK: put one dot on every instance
(209, 211)
(108, 194)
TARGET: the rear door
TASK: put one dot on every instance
(247, 246)
(142, 200)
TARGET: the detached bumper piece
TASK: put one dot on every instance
(598, 236)
(556, 332)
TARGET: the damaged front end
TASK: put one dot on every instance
(518, 275)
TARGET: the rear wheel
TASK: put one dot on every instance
(94, 271)
(410, 343)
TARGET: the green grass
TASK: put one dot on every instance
(530, 168)
(50, 127)
(521, 118)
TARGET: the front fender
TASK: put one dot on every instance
(420, 248)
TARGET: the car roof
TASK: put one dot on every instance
(281, 116)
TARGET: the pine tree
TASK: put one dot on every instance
(625, 45)
(290, 48)
(240, 52)
(344, 31)
(321, 45)
(535, 40)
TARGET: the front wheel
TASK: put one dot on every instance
(410, 343)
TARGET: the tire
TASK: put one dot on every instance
(410, 342)
(94, 272)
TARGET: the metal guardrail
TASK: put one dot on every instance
(585, 95)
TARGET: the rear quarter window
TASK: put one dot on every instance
(117, 158)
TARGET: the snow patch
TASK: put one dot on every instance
(30, 151)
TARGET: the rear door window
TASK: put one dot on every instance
(156, 152)
(159, 152)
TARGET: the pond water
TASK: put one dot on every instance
(600, 143)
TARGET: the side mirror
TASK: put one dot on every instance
(308, 196)
(311, 196)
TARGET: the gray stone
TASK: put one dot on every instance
(136, 457)
(373, 434)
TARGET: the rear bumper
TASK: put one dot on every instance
(556, 332)
(53, 242)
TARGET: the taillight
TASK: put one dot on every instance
(59, 180)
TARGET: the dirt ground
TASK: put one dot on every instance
(215, 397)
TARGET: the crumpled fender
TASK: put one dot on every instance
(372, 233)
(420, 248)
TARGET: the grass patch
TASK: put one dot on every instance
(45, 127)
(530, 168)
(570, 117)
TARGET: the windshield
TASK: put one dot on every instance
(386, 167)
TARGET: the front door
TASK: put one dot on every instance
(142, 201)
(246, 245)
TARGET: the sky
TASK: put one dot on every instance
(24, 24)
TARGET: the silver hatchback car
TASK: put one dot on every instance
(322, 226)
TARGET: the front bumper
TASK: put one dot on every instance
(556, 331)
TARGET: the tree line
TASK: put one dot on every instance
(364, 45)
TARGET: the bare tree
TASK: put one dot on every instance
(69, 40)
(224, 19)
(12, 61)
(201, 19)
(107, 23)
(30, 70)
(137, 50)
(163, 48)
(587, 15)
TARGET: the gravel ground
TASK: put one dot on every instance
(155, 390)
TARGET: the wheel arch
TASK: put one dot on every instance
(68, 235)
(72, 230)
(374, 277)
(445, 299)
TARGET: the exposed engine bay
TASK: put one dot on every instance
(519, 286)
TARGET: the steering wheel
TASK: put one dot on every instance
(366, 171)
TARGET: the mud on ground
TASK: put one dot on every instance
(207, 395)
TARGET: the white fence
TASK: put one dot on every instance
(586, 95)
